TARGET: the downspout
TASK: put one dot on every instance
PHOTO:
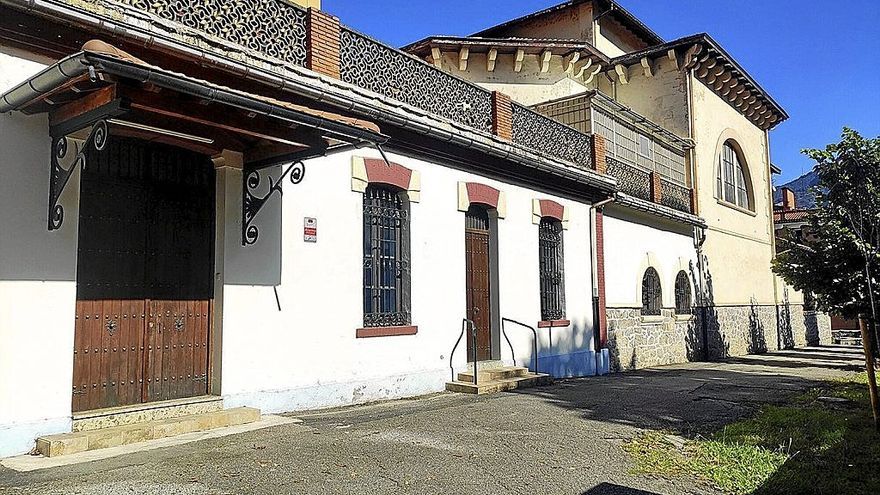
(594, 275)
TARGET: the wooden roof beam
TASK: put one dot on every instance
(622, 74)
(437, 57)
(544, 58)
(647, 67)
(569, 60)
(491, 58)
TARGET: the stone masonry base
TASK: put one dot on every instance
(636, 341)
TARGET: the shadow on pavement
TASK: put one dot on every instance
(613, 489)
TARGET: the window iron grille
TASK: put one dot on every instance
(550, 251)
(682, 294)
(651, 293)
(386, 258)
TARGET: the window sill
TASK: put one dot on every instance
(553, 323)
(684, 317)
(736, 207)
(366, 333)
(653, 319)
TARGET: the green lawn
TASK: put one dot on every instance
(807, 446)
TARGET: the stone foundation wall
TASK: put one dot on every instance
(740, 330)
(636, 342)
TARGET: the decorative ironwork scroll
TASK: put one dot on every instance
(59, 175)
(631, 180)
(272, 28)
(252, 204)
(675, 196)
(392, 73)
(551, 137)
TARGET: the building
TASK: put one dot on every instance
(568, 173)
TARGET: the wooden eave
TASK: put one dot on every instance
(716, 69)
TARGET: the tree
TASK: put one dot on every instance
(842, 247)
(839, 258)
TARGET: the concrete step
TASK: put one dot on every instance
(500, 385)
(81, 441)
(493, 373)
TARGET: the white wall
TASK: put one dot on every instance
(633, 242)
(307, 356)
(37, 273)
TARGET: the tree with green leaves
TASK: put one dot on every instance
(839, 259)
(842, 247)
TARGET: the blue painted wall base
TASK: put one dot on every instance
(572, 365)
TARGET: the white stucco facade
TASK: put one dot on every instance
(37, 281)
(314, 359)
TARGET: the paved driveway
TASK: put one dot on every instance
(562, 439)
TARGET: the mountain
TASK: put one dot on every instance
(801, 187)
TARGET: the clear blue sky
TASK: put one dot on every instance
(818, 59)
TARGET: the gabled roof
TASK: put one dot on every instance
(720, 72)
(612, 8)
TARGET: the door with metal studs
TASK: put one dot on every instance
(145, 267)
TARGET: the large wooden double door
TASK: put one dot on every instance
(144, 275)
(478, 274)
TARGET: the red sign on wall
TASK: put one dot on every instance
(310, 229)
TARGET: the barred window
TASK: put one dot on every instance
(550, 252)
(731, 182)
(652, 300)
(386, 258)
(682, 294)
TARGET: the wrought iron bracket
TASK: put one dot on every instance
(60, 176)
(251, 204)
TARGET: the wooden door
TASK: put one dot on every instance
(144, 275)
(478, 280)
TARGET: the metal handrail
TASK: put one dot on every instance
(534, 339)
(464, 325)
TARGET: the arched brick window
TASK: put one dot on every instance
(652, 296)
(386, 257)
(682, 294)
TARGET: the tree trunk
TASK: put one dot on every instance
(868, 331)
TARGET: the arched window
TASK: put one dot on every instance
(386, 257)
(551, 262)
(682, 294)
(652, 296)
(732, 179)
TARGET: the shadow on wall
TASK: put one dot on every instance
(716, 346)
(757, 337)
(786, 332)
(811, 322)
(28, 250)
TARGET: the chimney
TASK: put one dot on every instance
(788, 200)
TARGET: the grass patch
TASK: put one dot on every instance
(808, 446)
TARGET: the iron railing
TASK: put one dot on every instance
(630, 179)
(534, 340)
(465, 324)
(551, 137)
(675, 195)
(272, 28)
(368, 64)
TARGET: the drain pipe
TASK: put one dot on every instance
(595, 209)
